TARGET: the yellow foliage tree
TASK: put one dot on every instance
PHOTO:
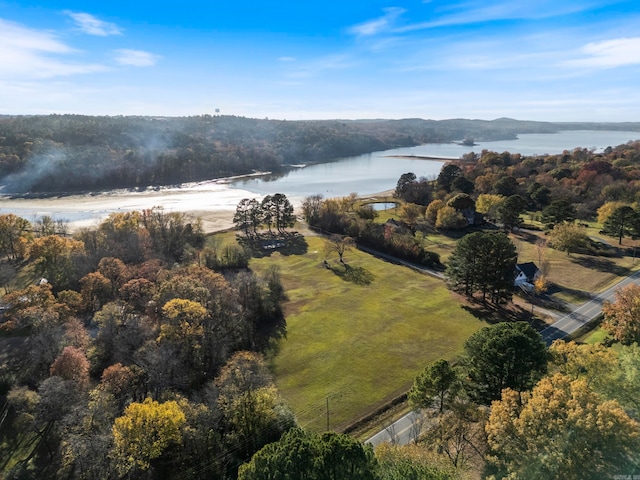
(488, 204)
(561, 430)
(605, 211)
(622, 317)
(145, 431)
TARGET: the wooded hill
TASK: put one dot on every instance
(65, 153)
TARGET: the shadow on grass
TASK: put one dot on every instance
(602, 265)
(357, 275)
(579, 295)
(491, 313)
(263, 245)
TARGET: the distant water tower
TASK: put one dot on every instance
(217, 111)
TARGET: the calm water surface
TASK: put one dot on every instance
(363, 174)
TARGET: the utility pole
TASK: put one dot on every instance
(327, 413)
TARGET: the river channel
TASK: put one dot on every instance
(215, 200)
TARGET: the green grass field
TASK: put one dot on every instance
(358, 336)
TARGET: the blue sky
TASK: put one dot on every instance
(561, 60)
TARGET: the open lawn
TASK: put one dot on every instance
(574, 277)
(358, 335)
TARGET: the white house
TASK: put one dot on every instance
(526, 274)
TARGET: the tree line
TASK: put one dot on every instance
(60, 153)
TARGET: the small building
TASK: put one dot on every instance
(526, 274)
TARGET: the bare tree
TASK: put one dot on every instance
(340, 245)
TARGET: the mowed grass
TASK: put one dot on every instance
(358, 340)
(577, 276)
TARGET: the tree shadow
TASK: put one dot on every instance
(490, 313)
(357, 275)
(602, 265)
(580, 295)
(264, 244)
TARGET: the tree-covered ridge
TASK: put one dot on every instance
(58, 153)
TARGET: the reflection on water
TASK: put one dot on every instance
(363, 174)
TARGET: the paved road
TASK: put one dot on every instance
(585, 313)
(401, 432)
(407, 429)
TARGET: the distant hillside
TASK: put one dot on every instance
(66, 153)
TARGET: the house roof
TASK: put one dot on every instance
(529, 269)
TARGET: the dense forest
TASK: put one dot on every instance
(64, 153)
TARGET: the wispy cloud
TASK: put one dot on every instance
(136, 58)
(474, 12)
(26, 52)
(378, 25)
(91, 25)
(286, 59)
(613, 53)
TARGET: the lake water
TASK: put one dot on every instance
(363, 174)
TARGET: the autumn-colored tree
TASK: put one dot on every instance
(144, 433)
(53, 256)
(137, 293)
(72, 364)
(249, 401)
(607, 209)
(76, 335)
(622, 317)
(410, 212)
(561, 430)
(96, 290)
(432, 210)
(121, 382)
(459, 433)
(448, 218)
(115, 271)
(489, 204)
(15, 235)
(568, 237)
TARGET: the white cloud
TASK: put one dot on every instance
(92, 25)
(30, 53)
(286, 59)
(136, 58)
(617, 52)
(378, 25)
(474, 12)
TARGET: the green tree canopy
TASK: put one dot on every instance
(505, 355)
(484, 262)
(623, 222)
(510, 210)
(557, 212)
(448, 173)
(433, 385)
(304, 456)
